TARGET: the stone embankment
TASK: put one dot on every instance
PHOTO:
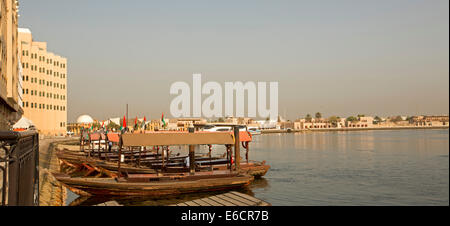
(51, 192)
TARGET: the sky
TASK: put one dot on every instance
(340, 58)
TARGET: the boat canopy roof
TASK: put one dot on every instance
(168, 139)
(94, 136)
(113, 137)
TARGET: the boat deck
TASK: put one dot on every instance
(227, 199)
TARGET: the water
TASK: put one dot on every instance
(397, 167)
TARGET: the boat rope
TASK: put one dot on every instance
(245, 144)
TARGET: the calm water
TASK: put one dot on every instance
(398, 167)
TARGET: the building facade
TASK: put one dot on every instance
(44, 85)
(10, 109)
(363, 122)
(441, 120)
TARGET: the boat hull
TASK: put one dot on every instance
(256, 169)
(112, 187)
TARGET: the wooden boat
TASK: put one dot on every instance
(155, 185)
(165, 183)
(254, 168)
(138, 161)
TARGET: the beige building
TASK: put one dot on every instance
(363, 122)
(240, 120)
(44, 85)
(314, 123)
(441, 120)
(10, 109)
(183, 124)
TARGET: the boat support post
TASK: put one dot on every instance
(120, 157)
(237, 153)
(191, 154)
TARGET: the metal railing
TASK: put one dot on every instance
(19, 168)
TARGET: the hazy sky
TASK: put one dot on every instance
(336, 57)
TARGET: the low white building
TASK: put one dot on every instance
(271, 124)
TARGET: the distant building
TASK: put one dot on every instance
(182, 124)
(429, 120)
(268, 124)
(83, 122)
(363, 122)
(286, 125)
(44, 85)
(301, 124)
(239, 120)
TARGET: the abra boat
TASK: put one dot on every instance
(155, 185)
(160, 183)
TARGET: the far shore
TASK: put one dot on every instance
(351, 129)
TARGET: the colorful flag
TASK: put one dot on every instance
(103, 124)
(162, 119)
(124, 123)
(135, 123)
(143, 123)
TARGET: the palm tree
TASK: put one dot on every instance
(308, 118)
(333, 120)
(352, 119)
(318, 115)
(397, 119)
(376, 120)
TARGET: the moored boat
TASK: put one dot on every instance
(161, 182)
(155, 185)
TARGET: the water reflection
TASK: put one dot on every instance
(400, 167)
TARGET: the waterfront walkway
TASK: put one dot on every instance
(228, 199)
(51, 192)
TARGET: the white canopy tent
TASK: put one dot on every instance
(23, 123)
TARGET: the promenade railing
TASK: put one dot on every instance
(19, 168)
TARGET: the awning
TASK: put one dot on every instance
(167, 139)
